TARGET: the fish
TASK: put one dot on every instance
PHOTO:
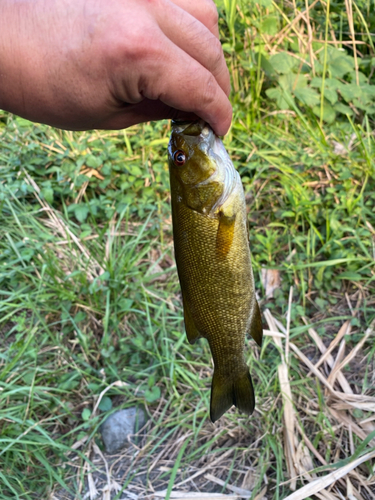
(211, 244)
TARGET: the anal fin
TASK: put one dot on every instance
(191, 330)
(256, 329)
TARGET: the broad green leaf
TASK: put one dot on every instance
(81, 212)
(80, 316)
(318, 67)
(263, 3)
(105, 404)
(152, 394)
(86, 414)
(47, 194)
(316, 82)
(329, 113)
(269, 25)
(282, 62)
(334, 54)
(318, 46)
(94, 161)
(279, 95)
(135, 170)
(333, 84)
(227, 47)
(350, 92)
(343, 108)
(340, 66)
(290, 82)
(361, 104)
(265, 64)
(308, 96)
(331, 95)
(368, 90)
(294, 43)
(362, 78)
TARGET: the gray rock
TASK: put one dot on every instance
(117, 427)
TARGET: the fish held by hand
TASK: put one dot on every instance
(213, 259)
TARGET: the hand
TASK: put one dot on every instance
(79, 64)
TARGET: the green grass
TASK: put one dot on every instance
(89, 296)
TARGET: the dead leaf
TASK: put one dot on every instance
(271, 281)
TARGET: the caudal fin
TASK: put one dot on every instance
(225, 393)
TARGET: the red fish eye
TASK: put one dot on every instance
(179, 158)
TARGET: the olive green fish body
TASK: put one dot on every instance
(213, 261)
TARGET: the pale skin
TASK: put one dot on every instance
(109, 64)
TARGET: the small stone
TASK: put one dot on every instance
(118, 426)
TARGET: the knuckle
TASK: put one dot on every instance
(209, 90)
(134, 48)
(200, 86)
(139, 47)
(217, 53)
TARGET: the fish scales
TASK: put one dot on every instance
(213, 259)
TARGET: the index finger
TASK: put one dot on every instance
(204, 11)
(193, 37)
(181, 82)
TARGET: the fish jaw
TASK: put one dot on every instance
(199, 165)
(208, 176)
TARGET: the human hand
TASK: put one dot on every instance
(82, 65)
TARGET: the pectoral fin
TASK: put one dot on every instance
(256, 329)
(225, 233)
(191, 330)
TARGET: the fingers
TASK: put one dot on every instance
(175, 59)
(144, 111)
(203, 10)
(193, 37)
(181, 82)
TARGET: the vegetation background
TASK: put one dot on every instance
(90, 308)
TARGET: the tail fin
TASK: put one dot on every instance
(225, 393)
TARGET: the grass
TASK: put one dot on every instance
(90, 307)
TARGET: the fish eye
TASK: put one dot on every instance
(179, 158)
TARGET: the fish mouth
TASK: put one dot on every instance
(192, 128)
(199, 136)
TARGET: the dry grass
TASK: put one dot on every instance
(345, 474)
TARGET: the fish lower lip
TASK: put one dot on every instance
(183, 122)
(192, 128)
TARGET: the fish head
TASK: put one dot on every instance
(197, 162)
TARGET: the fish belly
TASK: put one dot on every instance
(217, 290)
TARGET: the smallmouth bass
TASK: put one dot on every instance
(213, 259)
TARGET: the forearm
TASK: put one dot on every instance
(12, 57)
(44, 76)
